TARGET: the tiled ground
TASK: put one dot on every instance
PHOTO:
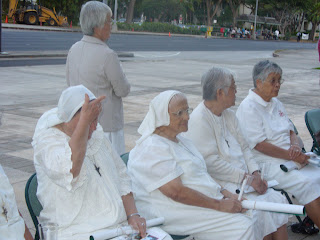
(26, 92)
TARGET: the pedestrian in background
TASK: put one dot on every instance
(93, 64)
(298, 36)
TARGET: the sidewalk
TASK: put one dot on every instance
(29, 91)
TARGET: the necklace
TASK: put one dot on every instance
(96, 167)
(223, 125)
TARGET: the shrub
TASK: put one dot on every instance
(158, 27)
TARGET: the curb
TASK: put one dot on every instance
(52, 54)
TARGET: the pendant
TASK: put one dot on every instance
(97, 169)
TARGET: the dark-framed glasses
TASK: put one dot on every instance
(181, 112)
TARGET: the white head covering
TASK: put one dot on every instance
(71, 100)
(157, 115)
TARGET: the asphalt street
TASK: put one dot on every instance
(23, 40)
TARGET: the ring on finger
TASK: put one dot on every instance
(142, 224)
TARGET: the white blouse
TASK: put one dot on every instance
(221, 143)
(157, 161)
(11, 223)
(89, 202)
(261, 120)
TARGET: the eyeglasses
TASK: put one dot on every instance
(234, 87)
(180, 113)
(274, 82)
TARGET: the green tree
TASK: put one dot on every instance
(162, 10)
(313, 15)
(234, 7)
(212, 8)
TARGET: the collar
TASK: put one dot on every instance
(94, 40)
(255, 97)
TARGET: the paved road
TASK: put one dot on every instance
(26, 40)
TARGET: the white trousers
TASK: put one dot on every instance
(117, 140)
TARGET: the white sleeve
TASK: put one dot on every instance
(124, 179)
(116, 76)
(154, 165)
(251, 124)
(54, 156)
(205, 139)
(247, 154)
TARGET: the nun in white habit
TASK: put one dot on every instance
(170, 178)
(83, 185)
(215, 131)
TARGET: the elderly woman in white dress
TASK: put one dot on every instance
(170, 178)
(271, 136)
(215, 131)
(82, 182)
(12, 225)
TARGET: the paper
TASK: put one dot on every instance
(270, 183)
(291, 165)
(112, 233)
(274, 207)
(244, 183)
(152, 234)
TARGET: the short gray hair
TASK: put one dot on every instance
(93, 15)
(213, 80)
(262, 70)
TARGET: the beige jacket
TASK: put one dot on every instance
(92, 63)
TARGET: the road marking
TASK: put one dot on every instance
(156, 55)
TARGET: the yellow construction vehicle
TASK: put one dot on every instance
(29, 12)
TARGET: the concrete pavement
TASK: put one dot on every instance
(27, 92)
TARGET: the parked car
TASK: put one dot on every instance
(122, 20)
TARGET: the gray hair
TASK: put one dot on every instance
(93, 15)
(262, 70)
(213, 80)
(176, 98)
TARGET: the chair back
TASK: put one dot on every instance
(125, 157)
(33, 204)
(312, 119)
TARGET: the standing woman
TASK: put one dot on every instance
(93, 64)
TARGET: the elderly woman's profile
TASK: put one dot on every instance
(92, 63)
(170, 178)
(83, 184)
(215, 131)
(272, 138)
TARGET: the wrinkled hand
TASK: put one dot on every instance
(302, 159)
(258, 184)
(91, 110)
(294, 151)
(138, 223)
(231, 205)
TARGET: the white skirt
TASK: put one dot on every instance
(304, 184)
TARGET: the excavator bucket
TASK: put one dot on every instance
(63, 21)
